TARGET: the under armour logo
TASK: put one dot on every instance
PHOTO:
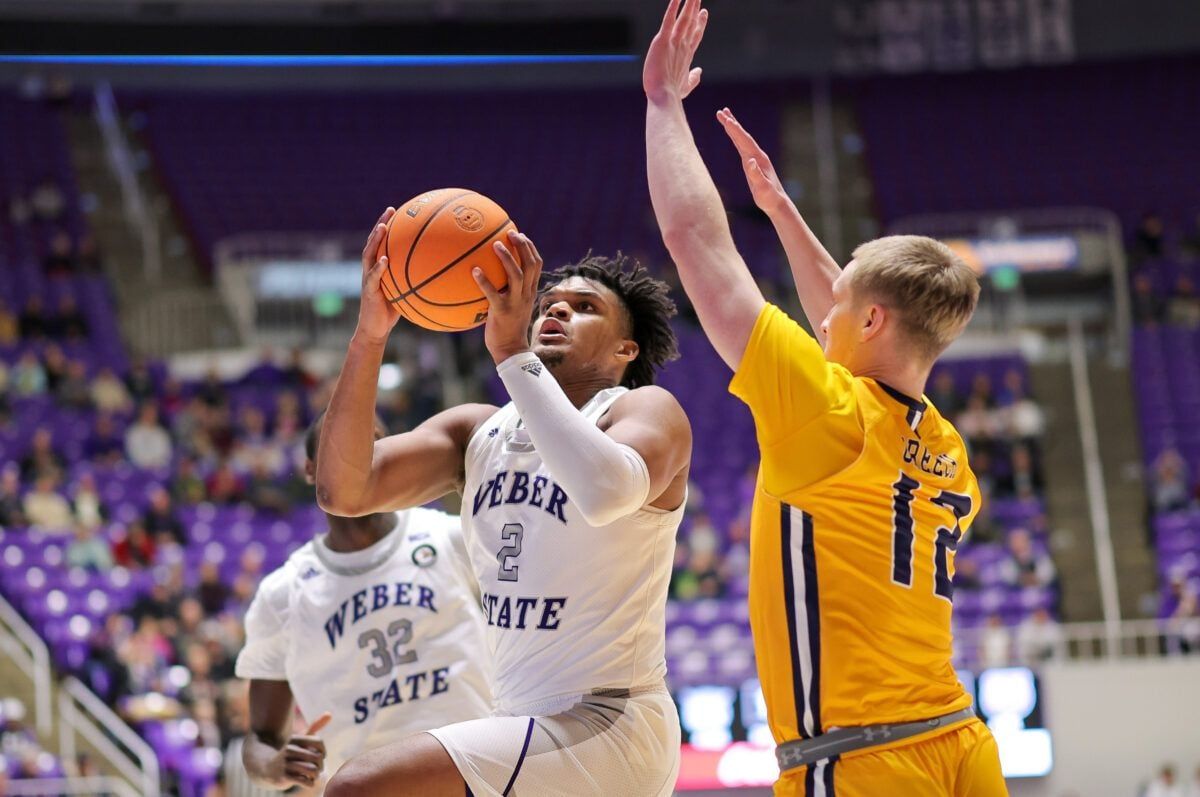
(532, 368)
(871, 734)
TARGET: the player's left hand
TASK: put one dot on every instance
(668, 72)
(509, 311)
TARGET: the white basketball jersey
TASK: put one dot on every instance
(570, 608)
(388, 639)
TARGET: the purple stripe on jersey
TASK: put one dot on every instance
(521, 760)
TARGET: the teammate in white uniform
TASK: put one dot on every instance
(373, 629)
(571, 498)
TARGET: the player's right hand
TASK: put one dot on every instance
(300, 761)
(765, 184)
(376, 315)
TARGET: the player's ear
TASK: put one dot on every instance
(628, 351)
(873, 321)
(310, 471)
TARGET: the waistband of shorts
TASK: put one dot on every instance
(558, 703)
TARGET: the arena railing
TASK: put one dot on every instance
(81, 712)
(62, 787)
(1092, 641)
(29, 653)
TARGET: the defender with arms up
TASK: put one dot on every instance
(864, 491)
(373, 630)
(572, 497)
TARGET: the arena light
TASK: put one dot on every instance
(314, 60)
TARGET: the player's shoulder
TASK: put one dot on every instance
(275, 589)
(648, 398)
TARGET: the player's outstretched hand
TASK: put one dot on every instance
(668, 72)
(765, 185)
(509, 311)
(376, 315)
(300, 761)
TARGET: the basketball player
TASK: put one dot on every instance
(864, 489)
(572, 497)
(373, 629)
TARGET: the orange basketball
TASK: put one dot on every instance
(432, 244)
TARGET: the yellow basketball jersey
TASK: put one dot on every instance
(863, 495)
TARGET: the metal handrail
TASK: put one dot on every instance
(145, 771)
(64, 786)
(37, 665)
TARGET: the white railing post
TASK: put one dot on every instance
(1097, 494)
(147, 773)
(38, 664)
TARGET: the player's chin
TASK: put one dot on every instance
(556, 348)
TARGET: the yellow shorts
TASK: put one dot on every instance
(961, 762)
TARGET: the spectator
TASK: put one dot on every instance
(109, 393)
(105, 446)
(212, 390)
(42, 459)
(981, 388)
(1170, 490)
(1165, 785)
(1179, 615)
(140, 381)
(88, 551)
(945, 395)
(703, 536)
(187, 487)
(29, 377)
(1025, 421)
(1025, 566)
(135, 548)
(253, 449)
(60, 259)
(86, 504)
(1183, 307)
(995, 643)
(19, 210)
(10, 326)
(966, 572)
(172, 399)
(162, 602)
(296, 374)
(160, 517)
(1148, 306)
(47, 201)
(211, 591)
(683, 585)
(264, 373)
(1148, 239)
(74, 390)
(264, 490)
(146, 442)
(1038, 638)
(224, 486)
(45, 509)
(1024, 481)
(68, 323)
(32, 323)
(55, 363)
(12, 508)
(709, 582)
(977, 424)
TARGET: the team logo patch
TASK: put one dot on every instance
(532, 368)
(495, 430)
(424, 555)
(468, 218)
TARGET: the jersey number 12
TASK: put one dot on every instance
(903, 534)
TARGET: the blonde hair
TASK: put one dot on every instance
(930, 287)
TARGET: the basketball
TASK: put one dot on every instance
(432, 244)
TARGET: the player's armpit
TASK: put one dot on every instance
(651, 422)
(412, 468)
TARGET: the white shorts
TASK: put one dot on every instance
(618, 743)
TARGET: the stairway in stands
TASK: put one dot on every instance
(182, 284)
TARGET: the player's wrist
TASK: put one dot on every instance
(516, 353)
(366, 339)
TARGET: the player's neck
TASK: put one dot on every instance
(907, 377)
(349, 534)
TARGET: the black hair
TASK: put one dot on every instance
(648, 306)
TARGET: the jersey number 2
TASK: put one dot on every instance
(903, 534)
(511, 535)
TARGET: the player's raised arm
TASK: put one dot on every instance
(813, 268)
(608, 474)
(357, 475)
(686, 203)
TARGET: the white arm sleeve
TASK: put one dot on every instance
(264, 656)
(604, 479)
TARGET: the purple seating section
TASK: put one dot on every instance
(569, 168)
(1076, 136)
(1166, 363)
